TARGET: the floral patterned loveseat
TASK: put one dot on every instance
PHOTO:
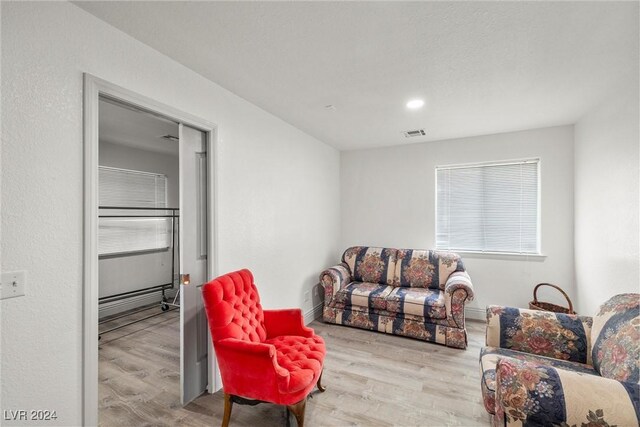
(415, 293)
(555, 369)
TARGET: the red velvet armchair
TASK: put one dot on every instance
(263, 355)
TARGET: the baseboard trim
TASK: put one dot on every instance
(313, 314)
(475, 313)
(121, 306)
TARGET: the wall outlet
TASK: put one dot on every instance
(307, 296)
(12, 284)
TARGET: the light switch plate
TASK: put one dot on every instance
(12, 284)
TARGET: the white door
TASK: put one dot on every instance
(193, 261)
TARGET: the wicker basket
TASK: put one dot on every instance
(547, 306)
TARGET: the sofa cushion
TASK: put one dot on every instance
(363, 294)
(425, 269)
(557, 335)
(615, 336)
(489, 358)
(374, 265)
(423, 302)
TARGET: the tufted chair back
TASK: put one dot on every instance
(233, 308)
(614, 338)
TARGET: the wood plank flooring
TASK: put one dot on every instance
(372, 379)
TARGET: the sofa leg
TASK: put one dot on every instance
(298, 411)
(320, 386)
(228, 403)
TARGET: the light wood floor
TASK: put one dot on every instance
(372, 379)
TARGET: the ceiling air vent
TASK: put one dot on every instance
(413, 133)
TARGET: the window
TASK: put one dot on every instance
(488, 207)
(132, 230)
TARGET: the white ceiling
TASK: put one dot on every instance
(133, 128)
(481, 67)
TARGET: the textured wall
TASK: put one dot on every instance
(388, 198)
(607, 204)
(278, 199)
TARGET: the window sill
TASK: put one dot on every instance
(500, 255)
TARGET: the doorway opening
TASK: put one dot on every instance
(138, 215)
(149, 237)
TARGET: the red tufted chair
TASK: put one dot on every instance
(263, 355)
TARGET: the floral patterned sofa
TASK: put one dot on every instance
(544, 368)
(414, 293)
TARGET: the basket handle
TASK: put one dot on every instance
(535, 297)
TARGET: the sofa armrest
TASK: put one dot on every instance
(243, 364)
(334, 278)
(533, 394)
(457, 290)
(285, 322)
(556, 335)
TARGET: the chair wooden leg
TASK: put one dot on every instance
(320, 386)
(228, 403)
(298, 411)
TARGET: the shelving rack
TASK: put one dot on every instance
(165, 305)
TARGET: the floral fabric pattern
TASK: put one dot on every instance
(616, 348)
(334, 278)
(416, 268)
(425, 269)
(367, 291)
(370, 269)
(489, 358)
(360, 320)
(457, 290)
(419, 272)
(350, 256)
(593, 419)
(397, 324)
(417, 301)
(449, 263)
(620, 303)
(528, 393)
(448, 260)
(454, 306)
(367, 264)
(524, 388)
(379, 312)
(556, 335)
(363, 294)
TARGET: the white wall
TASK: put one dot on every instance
(607, 255)
(139, 270)
(278, 199)
(388, 199)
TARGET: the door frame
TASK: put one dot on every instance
(95, 87)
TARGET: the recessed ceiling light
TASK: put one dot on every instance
(414, 104)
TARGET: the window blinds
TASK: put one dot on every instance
(488, 208)
(127, 188)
